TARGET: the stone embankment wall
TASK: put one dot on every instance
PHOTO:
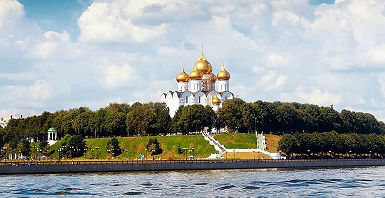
(181, 165)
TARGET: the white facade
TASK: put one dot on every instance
(4, 122)
(52, 136)
(200, 87)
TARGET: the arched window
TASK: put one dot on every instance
(186, 99)
(199, 99)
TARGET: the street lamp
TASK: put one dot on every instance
(192, 152)
(185, 150)
(145, 157)
(108, 151)
(97, 152)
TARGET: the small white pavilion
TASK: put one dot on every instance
(52, 136)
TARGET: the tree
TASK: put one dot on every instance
(24, 147)
(193, 118)
(231, 113)
(153, 147)
(113, 147)
(73, 146)
(288, 144)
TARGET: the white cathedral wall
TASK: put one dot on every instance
(226, 96)
(195, 85)
(223, 85)
(200, 98)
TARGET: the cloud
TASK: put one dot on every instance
(272, 80)
(315, 96)
(30, 96)
(51, 42)
(115, 76)
(275, 60)
(111, 22)
(132, 50)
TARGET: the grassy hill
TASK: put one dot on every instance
(237, 140)
(272, 142)
(245, 141)
(135, 146)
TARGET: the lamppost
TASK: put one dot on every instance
(145, 157)
(185, 151)
(192, 152)
(5, 155)
(108, 151)
(97, 152)
(59, 152)
(152, 153)
(71, 151)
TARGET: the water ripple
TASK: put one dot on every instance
(356, 182)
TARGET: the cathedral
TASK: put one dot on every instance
(201, 86)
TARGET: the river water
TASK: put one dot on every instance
(344, 182)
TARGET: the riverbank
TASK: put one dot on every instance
(171, 165)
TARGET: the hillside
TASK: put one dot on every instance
(245, 141)
(237, 140)
(135, 146)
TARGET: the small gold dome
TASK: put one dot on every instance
(195, 74)
(216, 100)
(182, 77)
(223, 74)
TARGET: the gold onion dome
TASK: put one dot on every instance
(216, 100)
(203, 65)
(223, 74)
(195, 74)
(182, 77)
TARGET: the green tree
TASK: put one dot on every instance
(154, 147)
(113, 147)
(231, 112)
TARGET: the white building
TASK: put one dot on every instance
(201, 86)
(4, 122)
(52, 136)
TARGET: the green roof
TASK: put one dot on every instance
(52, 129)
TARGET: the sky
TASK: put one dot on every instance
(66, 54)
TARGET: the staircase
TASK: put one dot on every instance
(221, 149)
(217, 146)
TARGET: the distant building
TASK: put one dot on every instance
(52, 136)
(201, 86)
(4, 121)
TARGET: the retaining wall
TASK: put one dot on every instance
(182, 165)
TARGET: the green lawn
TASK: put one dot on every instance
(136, 146)
(237, 140)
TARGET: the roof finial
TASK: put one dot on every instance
(223, 64)
(202, 48)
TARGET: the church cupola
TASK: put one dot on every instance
(196, 78)
(182, 78)
(223, 80)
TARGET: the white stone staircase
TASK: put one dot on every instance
(217, 146)
(221, 149)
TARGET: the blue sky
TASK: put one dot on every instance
(64, 54)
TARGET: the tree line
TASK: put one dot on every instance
(153, 119)
(332, 145)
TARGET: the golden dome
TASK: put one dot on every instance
(216, 100)
(195, 74)
(182, 77)
(203, 65)
(223, 74)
